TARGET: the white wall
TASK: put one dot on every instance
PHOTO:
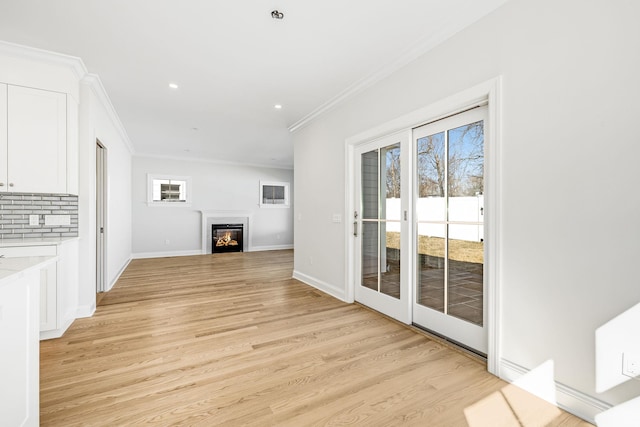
(216, 187)
(98, 121)
(569, 158)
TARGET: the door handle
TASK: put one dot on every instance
(355, 228)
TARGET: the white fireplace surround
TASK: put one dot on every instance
(226, 217)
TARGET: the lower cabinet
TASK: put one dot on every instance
(19, 370)
(56, 312)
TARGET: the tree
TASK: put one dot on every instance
(465, 167)
(392, 162)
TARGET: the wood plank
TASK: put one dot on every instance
(231, 339)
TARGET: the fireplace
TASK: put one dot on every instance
(226, 238)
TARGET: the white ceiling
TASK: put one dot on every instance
(233, 62)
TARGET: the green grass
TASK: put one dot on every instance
(459, 250)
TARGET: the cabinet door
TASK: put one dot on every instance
(3, 137)
(37, 135)
(48, 282)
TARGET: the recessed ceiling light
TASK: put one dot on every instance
(277, 107)
(173, 86)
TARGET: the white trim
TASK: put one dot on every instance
(349, 223)
(85, 311)
(270, 248)
(167, 254)
(212, 161)
(286, 203)
(568, 399)
(73, 62)
(410, 55)
(57, 333)
(489, 90)
(117, 276)
(94, 82)
(151, 177)
(327, 288)
(493, 203)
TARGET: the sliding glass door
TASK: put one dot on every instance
(449, 228)
(419, 227)
(380, 226)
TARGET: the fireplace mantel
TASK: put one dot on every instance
(225, 217)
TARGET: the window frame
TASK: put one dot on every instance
(151, 178)
(286, 199)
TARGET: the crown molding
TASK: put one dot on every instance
(212, 161)
(21, 51)
(415, 51)
(93, 81)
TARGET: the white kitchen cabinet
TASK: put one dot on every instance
(48, 282)
(33, 145)
(58, 283)
(19, 370)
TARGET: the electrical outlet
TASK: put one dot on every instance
(34, 219)
(337, 218)
(167, 242)
(631, 364)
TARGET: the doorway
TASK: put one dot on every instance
(420, 247)
(381, 227)
(450, 285)
(101, 217)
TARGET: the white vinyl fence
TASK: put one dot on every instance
(461, 209)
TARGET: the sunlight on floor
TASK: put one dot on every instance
(511, 406)
(530, 401)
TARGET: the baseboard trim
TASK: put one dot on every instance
(568, 398)
(144, 255)
(325, 287)
(115, 279)
(85, 311)
(57, 333)
(270, 248)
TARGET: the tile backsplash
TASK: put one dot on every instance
(16, 209)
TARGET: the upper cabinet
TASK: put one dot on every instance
(33, 140)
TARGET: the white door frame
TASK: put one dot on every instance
(101, 216)
(488, 91)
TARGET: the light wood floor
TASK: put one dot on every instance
(231, 339)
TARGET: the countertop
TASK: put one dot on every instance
(14, 268)
(36, 241)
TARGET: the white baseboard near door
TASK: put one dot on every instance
(144, 255)
(115, 279)
(270, 248)
(327, 288)
(567, 398)
(85, 311)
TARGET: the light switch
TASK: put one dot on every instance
(337, 218)
(34, 219)
(630, 364)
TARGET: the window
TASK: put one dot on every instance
(274, 194)
(164, 190)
